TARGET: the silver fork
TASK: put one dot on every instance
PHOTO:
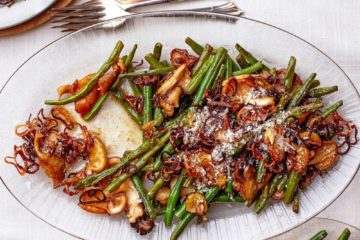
(73, 18)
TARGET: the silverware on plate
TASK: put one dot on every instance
(73, 18)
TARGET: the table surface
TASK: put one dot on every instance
(331, 25)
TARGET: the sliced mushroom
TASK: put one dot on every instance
(184, 191)
(97, 208)
(182, 56)
(247, 186)
(53, 166)
(302, 159)
(326, 156)
(162, 195)
(93, 200)
(116, 204)
(172, 81)
(200, 166)
(310, 138)
(196, 204)
(248, 89)
(62, 114)
(171, 102)
(135, 209)
(169, 93)
(97, 157)
(262, 102)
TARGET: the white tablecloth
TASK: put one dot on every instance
(331, 25)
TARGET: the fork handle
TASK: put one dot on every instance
(228, 7)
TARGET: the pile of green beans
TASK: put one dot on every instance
(213, 66)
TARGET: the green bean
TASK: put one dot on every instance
(158, 161)
(155, 187)
(274, 184)
(328, 111)
(149, 207)
(194, 45)
(229, 185)
(158, 117)
(210, 76)
(198, 78)
(253, 68)
(148, 90)
(331, 109)
(273, 72)
(249, 57)
(147, 112)
(281, 186)
(147, 72)
(261, 171)
(319, 236)
(161, 212)
(311, 107)
(165, 63)
(235, 67)
(284, 100)
(262, 201)
(188, 181)
(172, 200)
(226, 198)
(135, 89)
(241, 61)
(93, 81)
(319, 92)
(119, 96)
(290, 74)
(219, 77)
(301, 92)
(315, 83)
(296, 201)
(96, 107)
(345, 235)
(130, 57)
(268, 191)
(94, 179)
(291, 187)
(153, 62)
(139, 164)
(203, 57)
(157, 51)
(181, 211)
(188, 216)
(181, 226)
(229, 68)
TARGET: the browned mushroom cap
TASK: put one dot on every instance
(169, 93)
(135, 208)
(116, 204)
(326, 156)
(162, 195)
(196, 204)
(98, 159)
(248, 89)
